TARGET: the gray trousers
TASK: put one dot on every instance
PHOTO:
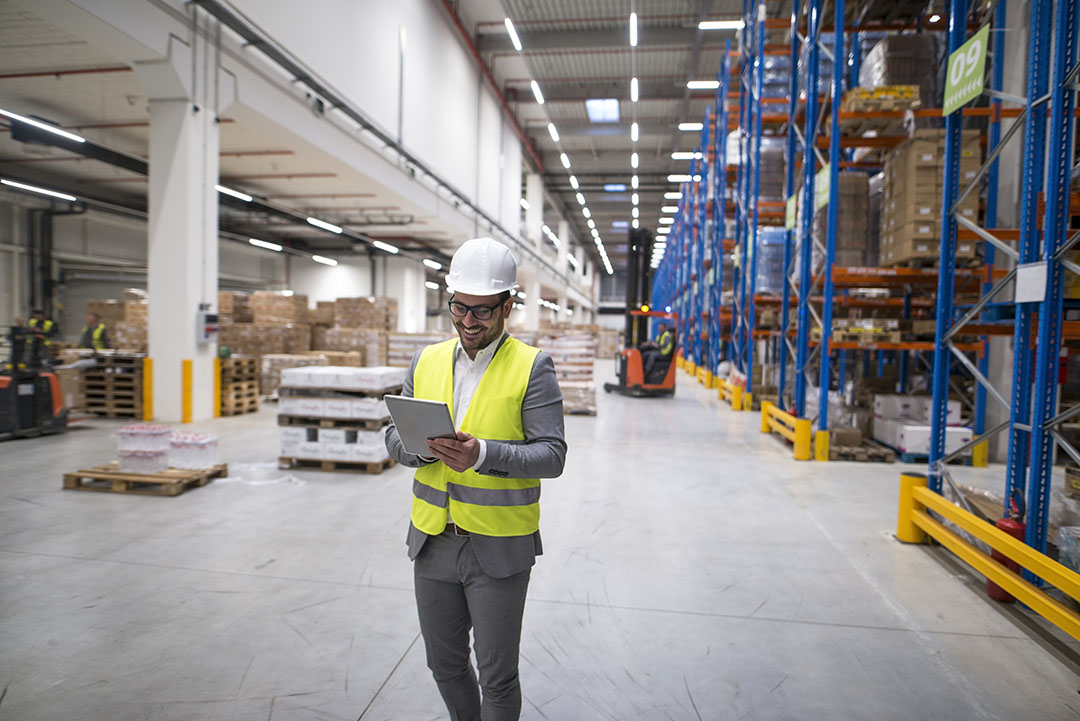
(454, 595)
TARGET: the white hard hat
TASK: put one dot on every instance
(482, 266)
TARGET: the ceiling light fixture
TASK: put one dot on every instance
(633, 160)
(634, 90)
(935, 18)
(324, 260)
(35, 189)
(384, 246)
(43, 126)
(703, 84)
(635, 212)
(591, 224)
(615, 187)
(554, 132)
(663, 231)
(666, 221)
(689, 127)
(573, 182)
(431, 285)
(571, 260)
(539, 95)
(685, 155)
(580, 199)
(234, 193)
(634, 182)
(634, 132)
(634, 199)
(324, 225)
(720, 25)
(513, 34)
(672, 196)
(669, 209)
(524, 203)
(636, 224)
(434, 265)
(682, 178)
(586, 212)
(633, 30)
(264, 244)
(565, 160)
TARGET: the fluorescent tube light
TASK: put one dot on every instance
(634, 132)
(384, 246)
(595, 233)
(431, 285)
(720, 25)
(634, 199)
(546, 228)
(663, 231)
(43, 126)
(234, 193)
(585, 211)
(672, 196)
(580, 199)
(633, 30)
(636, 224)
(513, 34)
(669, 209)
(614, 187)
(633, 160)
(539, 95)
(573, 180)
(35, 189)
(554, 132)
(679, 178)
(620, 224)
(703, 84)
(324, 225)
(571, 260)
(521, 295)
(688, 127)
(667, 221)
(324, 260)
(565, 160)
(634, 182)
(263, 244)
(524, 204)
(634, 90)
(434, 265)
(935, 18)
(635, 212)
(591, 224)
(685, 155)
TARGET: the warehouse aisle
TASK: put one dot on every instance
(692, 571)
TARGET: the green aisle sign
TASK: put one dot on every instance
(821, 188)
(964, 78)
(792, 212)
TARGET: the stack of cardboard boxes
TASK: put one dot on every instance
(911, 203)
(903, 423)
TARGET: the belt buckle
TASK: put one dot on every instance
(459, 531)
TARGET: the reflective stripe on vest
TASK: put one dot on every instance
(46, 328)
(480, 504)
(667, 342)
(97, 340)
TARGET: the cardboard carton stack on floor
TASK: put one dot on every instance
(402, 346)
(903, 423)
(336, 413)
(271, 306)
(366, 312)
(371, 342)
(911, 201)
(272, 364)
(573, 355)
(255, 339)
(234, 307)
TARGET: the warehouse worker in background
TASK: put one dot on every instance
(662, 348)
(46, 327)
(474, 532)
(94, 335)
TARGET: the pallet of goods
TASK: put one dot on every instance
(153, 460)
(234, 306)
(848, 444)
(903, 424)
(401, 347)
(370, 342)
(271, 366)
(573, 355)
(114, 387)
(239, 386)
(334, 417)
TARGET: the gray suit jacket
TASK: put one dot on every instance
(541, 455)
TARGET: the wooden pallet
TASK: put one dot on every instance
(119, 377)
(369, 468)
(240, 366)
(867, 452)
(129, 413)
(236, 407)
(287, 392)
(579, 412)
(924, 458)
(171, 482)
(859, 127)
(120, 361)
(348, 424)
(240, 387)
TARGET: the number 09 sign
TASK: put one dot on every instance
(964, 78)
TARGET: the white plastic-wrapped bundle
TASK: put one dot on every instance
(193, 450)
(770, 260)
(143, 461)
(143, 437)
(350, 378)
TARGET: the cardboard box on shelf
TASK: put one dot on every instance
(272, 364)
(111, 312)
(279, 307)
(235, 306)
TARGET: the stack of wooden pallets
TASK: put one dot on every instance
(239, 386)
(113, 388)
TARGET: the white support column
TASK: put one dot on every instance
(182, 253)
(562, 302)
(531, 286)
(534, 216)
(564, 234)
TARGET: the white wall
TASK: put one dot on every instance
(404, 280)
(350, 278)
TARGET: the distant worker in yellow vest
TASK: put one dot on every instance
(94, 335)
(46, 327)
(475, 524)
(662, 348)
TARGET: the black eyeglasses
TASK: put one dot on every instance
(480, 312)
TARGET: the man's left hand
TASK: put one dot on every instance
(459, 454)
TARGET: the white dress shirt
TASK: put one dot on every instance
(467, 375)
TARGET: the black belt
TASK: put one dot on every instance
(457, 530)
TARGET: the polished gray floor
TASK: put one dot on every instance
(692, 571)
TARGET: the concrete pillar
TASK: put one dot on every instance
(404, 280)
(564, 234)
(534, 215)
(531, 286)
(182, 252)
(563, 303)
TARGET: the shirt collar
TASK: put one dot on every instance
(488, 350)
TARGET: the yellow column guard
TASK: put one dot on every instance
(185, 390)
(796, 430)
(217, 387)
(148, 389)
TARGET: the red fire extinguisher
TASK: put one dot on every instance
(1015, 527)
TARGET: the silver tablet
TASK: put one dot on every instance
(417, 420)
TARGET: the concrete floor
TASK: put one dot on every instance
(693, 571)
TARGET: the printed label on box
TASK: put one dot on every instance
(338, 408)
(337, 451)
(310, 450)
(331, 435)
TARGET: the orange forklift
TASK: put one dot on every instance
(629, 364)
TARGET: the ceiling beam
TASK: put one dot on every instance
(590, 40)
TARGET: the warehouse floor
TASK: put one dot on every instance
(692, 571)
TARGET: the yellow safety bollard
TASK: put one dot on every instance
(980, 455)
(217, 387)
(736, 398)
(148, 389)
(708, 379)
(185, 390)
(906, 530)
(766, 406)
(802, 439)
(748, 401)
(821, 446)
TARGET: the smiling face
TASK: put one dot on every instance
(476, 334)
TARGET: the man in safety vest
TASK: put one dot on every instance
(94, 335)
(474, 535)
(45, 326)
(662, 348)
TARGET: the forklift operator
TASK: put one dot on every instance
(662, 348)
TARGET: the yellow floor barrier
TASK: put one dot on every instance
(914, 524)
(796, 430)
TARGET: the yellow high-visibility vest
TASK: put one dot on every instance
(667, 342)
(480, 504)
(46, 328)
(97, 341)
